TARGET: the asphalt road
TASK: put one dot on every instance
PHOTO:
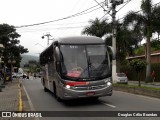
(119, 101)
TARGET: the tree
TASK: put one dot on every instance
(9, 38)
(156, 21)
(127, 40)
(97, 28)
(138, 65)
(142, 23)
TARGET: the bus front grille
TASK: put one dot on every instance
(89, 87)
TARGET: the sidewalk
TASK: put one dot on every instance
(10, 97)
(152, 84)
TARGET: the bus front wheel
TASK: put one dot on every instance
(55, 93)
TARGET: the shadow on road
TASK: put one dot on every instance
(82, 102)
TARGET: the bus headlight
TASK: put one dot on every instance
(68, 86)
(109, 83)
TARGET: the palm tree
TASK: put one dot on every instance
(127, 40)
(97, 28)
(144, 22)
(156, 17)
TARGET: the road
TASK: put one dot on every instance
(119, 101)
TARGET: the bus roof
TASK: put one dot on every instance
(81, 40)
(76, 40)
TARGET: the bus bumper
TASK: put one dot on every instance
(74, 94)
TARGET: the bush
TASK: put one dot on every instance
(132, 75)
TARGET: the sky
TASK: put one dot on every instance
(29, 12)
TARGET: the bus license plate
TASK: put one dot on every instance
(90, 93)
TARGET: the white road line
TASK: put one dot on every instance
(29, 101)
(108, 105)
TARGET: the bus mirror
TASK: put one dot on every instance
(113, 52)
(57, 54)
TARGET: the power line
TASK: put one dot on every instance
(86, 13)
(77, 14)
(123, 5)
(140, 10)
(116, 11)
(80, 7)
(100, 5)
(60, 28)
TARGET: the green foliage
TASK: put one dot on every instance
(125, 40)
(138, 65)
(32, 66)
(156, 68)
(155, 44)
(139, 51)
(97, 28)
(12, 49)
(135, 86)
(145, 23)
(132, 74)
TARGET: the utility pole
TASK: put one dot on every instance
(48, 35)
(114, 33)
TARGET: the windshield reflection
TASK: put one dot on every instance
(84, 61)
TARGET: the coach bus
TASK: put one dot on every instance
(77, 67)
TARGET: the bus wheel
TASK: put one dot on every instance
(55, 93)
(54, 89)
(45, 89)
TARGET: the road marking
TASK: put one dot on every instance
(29, 101)
(108, 104)
(20, 97)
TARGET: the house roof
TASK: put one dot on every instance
(154, 53)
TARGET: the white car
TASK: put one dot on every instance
(121, 78)
(14, 75)
(19, 75)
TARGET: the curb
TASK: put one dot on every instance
(139, 91)
(20, 97)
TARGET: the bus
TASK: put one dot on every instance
(77, 67)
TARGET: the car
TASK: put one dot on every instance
(19, 75)
(38, 75)
(121, 78)
(14, 75)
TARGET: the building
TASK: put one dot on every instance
(155, 57)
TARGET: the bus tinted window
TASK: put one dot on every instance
(84, 61)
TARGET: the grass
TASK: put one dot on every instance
(136, 86)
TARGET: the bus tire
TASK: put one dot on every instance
(45, 89)
(54, 89)
(55, 93)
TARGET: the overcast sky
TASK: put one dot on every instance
(28, 12)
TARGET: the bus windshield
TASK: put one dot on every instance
(84, 61)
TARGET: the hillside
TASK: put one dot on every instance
(26, 58)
